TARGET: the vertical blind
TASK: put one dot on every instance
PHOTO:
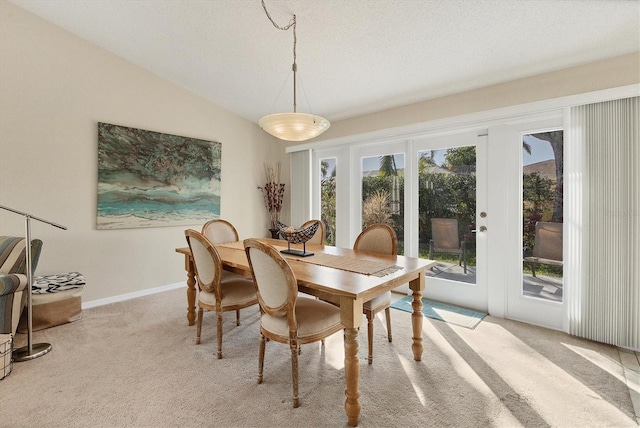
(604, 232)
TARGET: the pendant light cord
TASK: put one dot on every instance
(294, 67)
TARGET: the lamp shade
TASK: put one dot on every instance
(294, 126)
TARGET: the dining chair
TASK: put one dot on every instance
(378, 238)
(318, 237)
(216, 294)
(286, 316)
(220, 231)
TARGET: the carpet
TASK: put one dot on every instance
(444, 312)
(135, 364)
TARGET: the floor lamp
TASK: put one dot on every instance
(30, 351)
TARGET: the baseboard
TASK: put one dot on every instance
(135, 294)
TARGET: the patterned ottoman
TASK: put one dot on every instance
(55, 299)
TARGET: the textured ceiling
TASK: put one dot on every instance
(354, 56)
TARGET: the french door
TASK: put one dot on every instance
(532, 173)
(472, 178)
(450, 216)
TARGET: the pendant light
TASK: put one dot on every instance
(292, 126)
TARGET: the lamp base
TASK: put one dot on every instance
(37, 350)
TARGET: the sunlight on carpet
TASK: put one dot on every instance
(444, 312)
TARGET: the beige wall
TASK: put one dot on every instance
(54, 88)
(612, 73)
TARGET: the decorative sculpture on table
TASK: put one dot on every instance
(273, 193)
(300, 236)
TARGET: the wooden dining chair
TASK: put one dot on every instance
(214, 294)
(318, 237)
(220, 231)
(286, 316)
(378, 238)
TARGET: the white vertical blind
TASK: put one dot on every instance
(300, 187)
(604, 298)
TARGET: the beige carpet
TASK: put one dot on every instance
(134, 364)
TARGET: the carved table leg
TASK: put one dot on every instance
(352, 374)
(417, 285)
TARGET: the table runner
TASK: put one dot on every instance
(347, 263)
(351, 264)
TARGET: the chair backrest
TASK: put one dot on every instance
(220, 231)
(13, 254)
(13, 281)
(318, 237)
(378, 238)
(445, 234)
(206, 261)
(548, 241)
(276, 284)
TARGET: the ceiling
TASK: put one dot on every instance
(354, 56)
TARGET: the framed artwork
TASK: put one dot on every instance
(151, 179)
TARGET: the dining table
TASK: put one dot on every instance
(343, 276)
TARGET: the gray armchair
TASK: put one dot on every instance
(13, 279)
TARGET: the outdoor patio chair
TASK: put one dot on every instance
(547, 246)
(445, 238)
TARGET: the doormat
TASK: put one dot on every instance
(444, 312)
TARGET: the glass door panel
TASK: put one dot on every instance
(447, 211)
(451, 220)
(542, 215)
(328, 198)
(383, 193)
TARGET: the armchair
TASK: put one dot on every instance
(13, 279)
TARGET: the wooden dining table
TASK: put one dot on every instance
(342, 276)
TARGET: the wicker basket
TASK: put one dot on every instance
(6, 360)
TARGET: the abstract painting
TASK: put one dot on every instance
(150, 179)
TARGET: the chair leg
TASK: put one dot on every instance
(294, 373)
(263, 341)
(237, 316)
(387, 313)
(370, 336)
(199, 326)
(219, 314)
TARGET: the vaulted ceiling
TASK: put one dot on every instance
(354, 56)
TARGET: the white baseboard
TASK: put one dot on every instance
(129, 296)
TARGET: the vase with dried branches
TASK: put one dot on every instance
(273, 193)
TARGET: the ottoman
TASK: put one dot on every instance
(55, 299)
